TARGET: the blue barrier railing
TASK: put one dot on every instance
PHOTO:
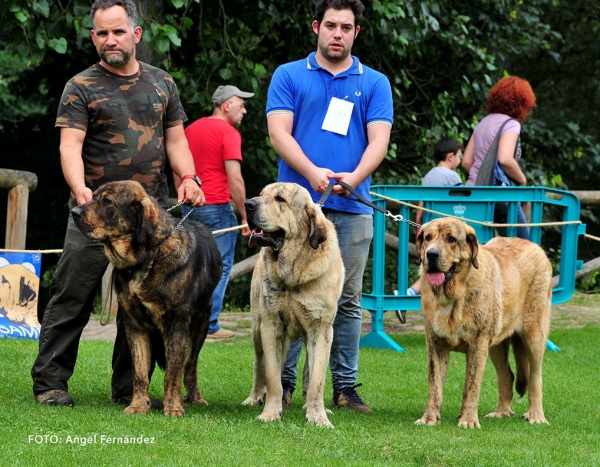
(470, 203)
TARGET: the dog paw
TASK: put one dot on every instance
(194, 400)
(428, 421)
(269, 417)
(133, 409)
(253, 401)
(505, 413)
(533, 418)
(176, 412)
(469, 423)
(320, 421)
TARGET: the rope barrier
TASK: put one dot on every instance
(4, 250)
(387, 198)
(487, 224)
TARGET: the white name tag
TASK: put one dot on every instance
(337, 119)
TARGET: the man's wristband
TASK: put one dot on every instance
(193, 177)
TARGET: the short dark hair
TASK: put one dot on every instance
(127, 5)
(444, 147)
(355, 5)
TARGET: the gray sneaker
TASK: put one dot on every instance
(55, 397)
(349, 398)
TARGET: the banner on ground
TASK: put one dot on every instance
(19, 290)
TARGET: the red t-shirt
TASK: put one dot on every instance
(212, 142)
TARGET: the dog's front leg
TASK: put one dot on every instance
(198, 331)
(271, 331)
(477, 354)
(177, 348)
(438, 356)
(317, 357)
(259, 387)
(141, 355)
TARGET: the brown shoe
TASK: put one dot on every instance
(286, 399)
(55, 397)
(349, 398)
(221, 334)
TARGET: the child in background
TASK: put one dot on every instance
(448, 152)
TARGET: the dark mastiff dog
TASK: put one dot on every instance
(164, 279)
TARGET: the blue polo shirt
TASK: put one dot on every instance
(304, 89)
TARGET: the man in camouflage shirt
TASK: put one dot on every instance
(120, 120)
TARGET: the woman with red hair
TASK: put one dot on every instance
(509, 103)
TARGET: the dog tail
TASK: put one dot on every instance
(522, 364)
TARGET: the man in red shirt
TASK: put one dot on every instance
(217, 149)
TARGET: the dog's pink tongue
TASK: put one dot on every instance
(435, 278)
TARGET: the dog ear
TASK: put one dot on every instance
(147, 221)
(419, 243)
(317, 230)
(472, 242)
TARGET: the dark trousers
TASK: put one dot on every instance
(76, 279)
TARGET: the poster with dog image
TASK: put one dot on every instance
(19, 290)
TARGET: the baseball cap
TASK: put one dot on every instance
(225, 92)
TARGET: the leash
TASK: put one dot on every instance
(358, 198)
(184, 217)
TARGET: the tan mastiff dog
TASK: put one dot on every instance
(478, 300)
(296, 285)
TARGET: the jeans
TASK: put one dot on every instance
(355, 232)
(217, 217)
(500, 217)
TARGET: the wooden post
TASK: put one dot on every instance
(16, 219)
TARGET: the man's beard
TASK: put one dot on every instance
(334, 58)
(117, 60)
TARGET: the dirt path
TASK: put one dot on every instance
(581, 310)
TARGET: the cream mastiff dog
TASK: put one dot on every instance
(296, 284)
(478, 300)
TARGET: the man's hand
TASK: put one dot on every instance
(245, 230)
(348, 178)
(319, 179)
(190, 193)
(83, 195)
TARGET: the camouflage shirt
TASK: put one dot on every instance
(125, 119)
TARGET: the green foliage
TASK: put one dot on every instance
(441, 56)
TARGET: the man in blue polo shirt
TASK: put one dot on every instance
(329, 119)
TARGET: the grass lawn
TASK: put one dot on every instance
(228, 434)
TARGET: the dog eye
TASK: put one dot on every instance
(106, 202)
(427, 237)
(279, 199)
(451, 239)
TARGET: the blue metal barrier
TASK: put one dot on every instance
(474, 203)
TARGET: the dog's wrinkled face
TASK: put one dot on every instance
(282, 212)
(117, 209)
(445, 246)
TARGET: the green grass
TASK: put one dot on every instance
(228, 434)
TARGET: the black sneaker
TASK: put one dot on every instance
(155, 404)
(55, 397)
(401, 315)
(287, 395)
(349, 398)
